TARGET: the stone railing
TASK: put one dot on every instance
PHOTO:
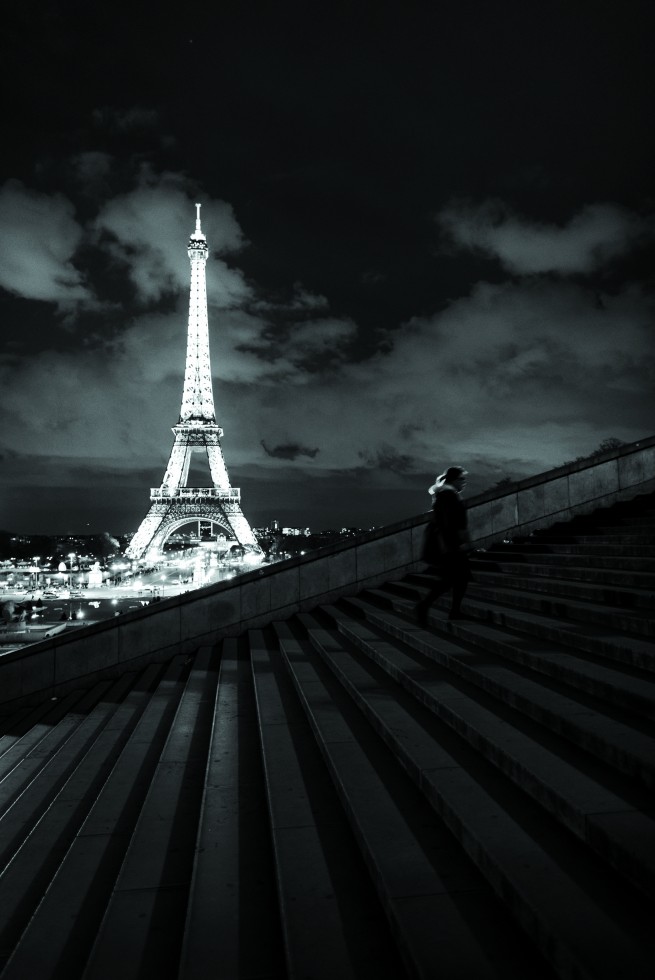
(182, 623)
(560, 494)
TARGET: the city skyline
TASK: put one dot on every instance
(431, 235)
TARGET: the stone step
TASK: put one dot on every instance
(58, 937)
(28, 754)
(29, 789)
(142, 926)
(575, 573)
(621, 686)
(630, 534)
(623, 536)
(601, 731)
(33, 848)
(607, 595)
(570, 546)
(611, 563)
(641, 529)
(582, 795)
(233, 916)
(326, 899)
(19, 721)
(442, 913)
(544, 877)
(634, 621)
(648, 517)
(589, 638)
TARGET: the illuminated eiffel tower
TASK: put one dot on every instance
(174, 504)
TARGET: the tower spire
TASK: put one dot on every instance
(198, 232)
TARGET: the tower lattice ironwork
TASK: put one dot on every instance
(174, 504)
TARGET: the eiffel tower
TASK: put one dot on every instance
(174, 504)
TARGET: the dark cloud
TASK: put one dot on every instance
(385, 457)
(300, 302)
(289, 450)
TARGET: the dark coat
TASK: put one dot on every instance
(447, 529)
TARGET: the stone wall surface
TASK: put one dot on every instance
(182, 623)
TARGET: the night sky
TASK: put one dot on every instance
(431, 233)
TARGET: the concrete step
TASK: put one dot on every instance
(325, 896)
(52, 728)
(569, 572)
(640, 528)
(647, 517)
(580, 794)
(233, 916)
(142, 925)
(632, 535)
(622, 686)
(635, 622)
(442, 913)
(33, 848)
(573, 546)
(57, 940)
(606, 594)
(599, 730)
(29, 789)
(611, 563)
(502, 832)
(589, 638)
(18, 722)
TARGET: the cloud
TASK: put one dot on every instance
(38, 240)
(290, 450)
(521, 370)
(513, 376)
(298, 350)
(301, 301)
(594, 236)
(142, 231)
(386, 457)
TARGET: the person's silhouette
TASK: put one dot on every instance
(447, 543)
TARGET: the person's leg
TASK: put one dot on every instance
(442, 585)
(461, 577)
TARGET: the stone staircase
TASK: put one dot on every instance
(346, 794)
